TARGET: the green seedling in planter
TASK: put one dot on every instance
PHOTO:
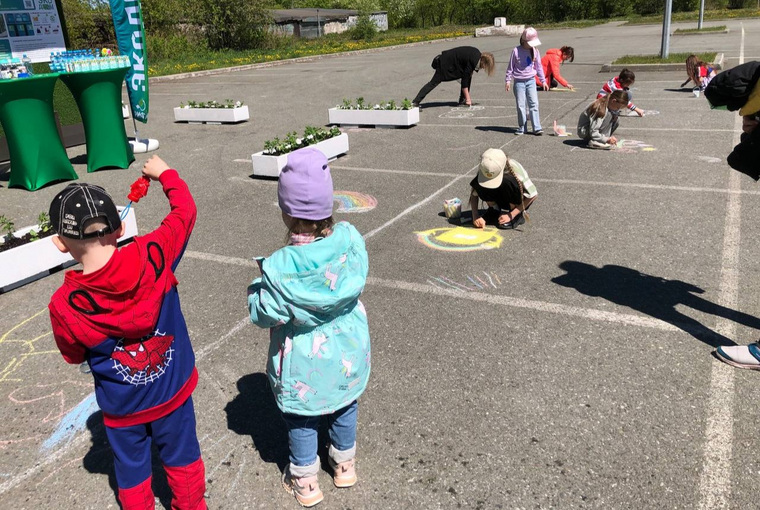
(34, 235)
(406, 104)
(347, 104)
(360, 103)
(43, 221)
(7, 226)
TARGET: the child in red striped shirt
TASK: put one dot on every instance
(623, 81)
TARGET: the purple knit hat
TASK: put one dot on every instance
(305, 189)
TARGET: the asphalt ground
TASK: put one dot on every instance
(568, 367)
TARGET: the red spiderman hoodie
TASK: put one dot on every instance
(125, 320)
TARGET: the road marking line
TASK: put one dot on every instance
(715, 480)
(542, 306)
(647, 186)
(506, 129)
(388, 171)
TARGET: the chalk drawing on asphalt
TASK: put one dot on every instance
(353, 202)
(469, 283)
(460, 239)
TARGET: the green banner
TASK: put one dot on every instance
(130, 36)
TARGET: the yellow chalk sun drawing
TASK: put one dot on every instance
(460, 238)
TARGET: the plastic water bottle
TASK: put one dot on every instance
(28, 64)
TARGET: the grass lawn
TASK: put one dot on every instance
(203, 58)
(718, 14)
(719, 28)
(673, 58)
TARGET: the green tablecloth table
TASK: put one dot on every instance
(26, 113)
(98, 96)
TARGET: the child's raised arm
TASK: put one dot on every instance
(176, 227)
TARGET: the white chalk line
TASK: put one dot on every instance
(621, 129)
(715, 479)
(509, 301)
(389, 171)
(660, 187)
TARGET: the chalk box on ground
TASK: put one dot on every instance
(216, 115)
(402, 118)
(32, 261)
(265, 165)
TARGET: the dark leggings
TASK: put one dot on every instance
(425, 90)
(433, 83)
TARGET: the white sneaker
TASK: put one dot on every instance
(740, 356)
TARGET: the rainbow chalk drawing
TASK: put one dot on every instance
(460, 239)
(476, 282)
(353, 202)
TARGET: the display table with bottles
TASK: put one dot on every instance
(98, 96)
(36, 151)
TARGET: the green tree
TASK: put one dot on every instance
(235, 24)
(89, 24)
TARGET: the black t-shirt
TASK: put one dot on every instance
(459, 63)
(507, 193)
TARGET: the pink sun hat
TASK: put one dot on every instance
(530, 35)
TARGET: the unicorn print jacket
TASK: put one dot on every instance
(319, 349)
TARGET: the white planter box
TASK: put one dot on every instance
(404, 118)
(211, 115)
(271, 166)
(32, 261)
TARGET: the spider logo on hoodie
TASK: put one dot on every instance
(144, 360)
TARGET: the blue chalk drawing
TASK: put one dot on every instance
(71, 424)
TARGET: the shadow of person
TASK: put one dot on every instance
(253, 412)
(100, 460)
(651, 295)
(497, 129)
(575, 142)
(435, 104)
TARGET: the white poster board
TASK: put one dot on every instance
(31, 27)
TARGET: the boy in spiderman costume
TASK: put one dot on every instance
(121, 314)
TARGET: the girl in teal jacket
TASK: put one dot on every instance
(319, 349)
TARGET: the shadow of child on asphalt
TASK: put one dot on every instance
(253, 412)
(651, 295)
(99, 460)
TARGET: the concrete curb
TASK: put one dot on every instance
(676, 34)
(261, 65)
(643, 68)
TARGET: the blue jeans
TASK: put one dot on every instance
(527, 89)
(302, 439)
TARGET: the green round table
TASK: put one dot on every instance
(98, 96)
(26, 113)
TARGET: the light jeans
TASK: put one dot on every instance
(302, 439)
(527, 89)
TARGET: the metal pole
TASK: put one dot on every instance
(701, 14)
(319, 30)
(665, 49)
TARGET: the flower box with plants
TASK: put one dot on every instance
(388, 114)
(29, 253)
(270, 161)
(211, 112)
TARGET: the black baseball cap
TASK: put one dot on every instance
(78, 203)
